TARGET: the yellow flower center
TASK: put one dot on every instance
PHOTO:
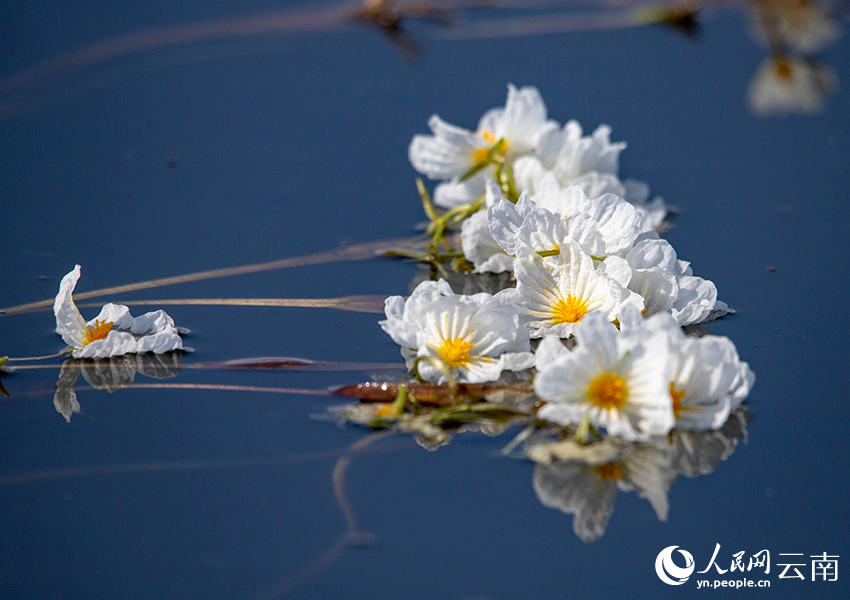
(782, 67)
(608, 391)
(455, 353)
(480, 155)
(609, 472)
(98, 331)
(570, 310)
(677, 396)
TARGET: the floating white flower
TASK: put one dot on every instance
(654, 274)
(604, 224)
(591, 163)
(785, 84)
(802, 25)
(452, 151)
(696, 301)
(556, 293)
(613, 381)
(706, 377)
(570, 155)
(478, 245)
(475, 337)
(114, 331)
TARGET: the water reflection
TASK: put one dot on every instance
(583, 480)
(792, 79)
(576, 478)
(110, 374)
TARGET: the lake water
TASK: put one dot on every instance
(168, 160)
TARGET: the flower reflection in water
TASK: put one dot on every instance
(792, 79)
(584, 480)
(110, 374)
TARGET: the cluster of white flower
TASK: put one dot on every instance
(576, 231)
(641, 381)
(589, 266)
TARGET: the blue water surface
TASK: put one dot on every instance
(229, 152)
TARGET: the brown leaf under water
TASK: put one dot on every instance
(425, 393)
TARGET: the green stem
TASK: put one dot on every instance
(400, 400)
(489, 158)
(427, 203)
(440, 366)
(582, 434)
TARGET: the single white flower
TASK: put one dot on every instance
(521, 123)
(696, 301)
(653, 263)
(452, 151)
(114, 331)
(569, 156)
(785, 84)
(707, 379)
(603, 226)
(617, 383)
(476, 337)
(592, 163)
(555, 294)
(802, 25)
(478, 245)
(616, 223)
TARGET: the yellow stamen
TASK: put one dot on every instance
(98, 331)
(677, 396)
(386, 410)
(480, 155)
(609, 472)
(455, 353)
(782, 67)
(570, 310)
(608, 391)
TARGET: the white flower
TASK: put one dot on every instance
(114, 331)
(667, 284)
(706, 377)
(476, 337)
(616, 382)
(616, 223)
(654, 264)
(521, 123)
(555, 294)
(696, 301)
(478, 245)
(786, 84)
(452, 151)
(591, 163)
(569, 155)
(803, 25)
